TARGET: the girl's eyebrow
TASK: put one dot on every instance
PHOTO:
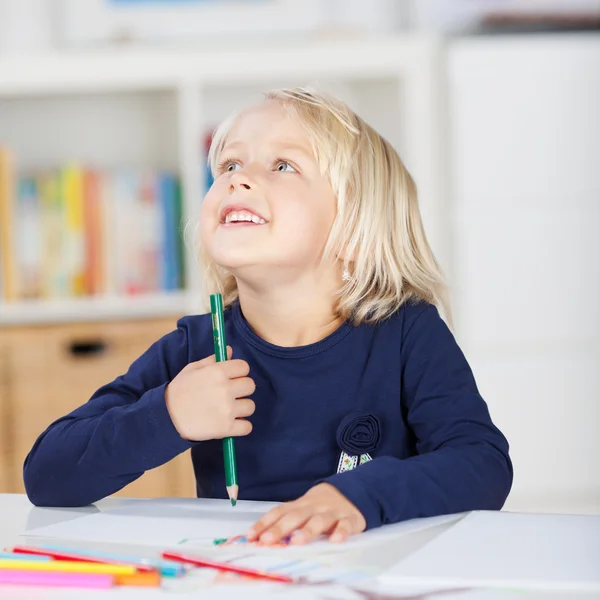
(282, 146)
(297, 148)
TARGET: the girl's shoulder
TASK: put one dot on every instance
(415, 318)
(410, 313)
(193, 324)
(416, 312)
(198, 332)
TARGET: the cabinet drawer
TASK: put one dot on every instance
(56, 369)
(79, 351)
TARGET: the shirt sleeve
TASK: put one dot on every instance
(462, 461)
(123, 430)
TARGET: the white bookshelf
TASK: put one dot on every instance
(36, 312)
(152, 107)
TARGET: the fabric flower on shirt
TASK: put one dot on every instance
(359, 433)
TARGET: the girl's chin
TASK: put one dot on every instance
(240, 266)
(234, 258)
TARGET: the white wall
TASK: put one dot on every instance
(525, 155)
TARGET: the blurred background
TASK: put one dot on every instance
(106, 111)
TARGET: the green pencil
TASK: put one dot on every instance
(218, 323)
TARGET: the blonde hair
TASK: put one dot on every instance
(378, 227)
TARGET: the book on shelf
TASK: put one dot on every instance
(208, 138)
(77, 231)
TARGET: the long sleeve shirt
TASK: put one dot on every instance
(399, 393)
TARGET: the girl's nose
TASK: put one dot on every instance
(239, 180)
(240, 184)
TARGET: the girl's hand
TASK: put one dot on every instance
(209, 400)
(322, 510)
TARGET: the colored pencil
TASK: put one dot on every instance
(167, 568)
(218, 323)
(139, 579)
(19, 556)
(65, 566)
(18, 577)
(77, 557)
(199, 561)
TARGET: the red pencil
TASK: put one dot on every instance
(56, 555)
(224, 566)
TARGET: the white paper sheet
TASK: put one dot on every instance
(161, 522)
(192, 523)
(509, 550)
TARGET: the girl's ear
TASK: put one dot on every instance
(345, 255)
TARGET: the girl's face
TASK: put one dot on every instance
(269, 211)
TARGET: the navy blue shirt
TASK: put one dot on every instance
(400, 391)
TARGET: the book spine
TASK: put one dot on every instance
(108, 190)
(93, 232)
(73, 196)
(169, 259)
(29, 239)
(148, 233)
(179, 230)
(53, 281)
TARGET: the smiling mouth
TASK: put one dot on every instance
(242, 217)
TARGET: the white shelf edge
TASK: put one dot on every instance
(148, 68)
(46, 312)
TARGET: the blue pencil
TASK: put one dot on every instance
(15, 555)
(167, 568)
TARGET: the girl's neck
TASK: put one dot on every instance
(289, 317)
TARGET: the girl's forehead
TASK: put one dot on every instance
(266, 121)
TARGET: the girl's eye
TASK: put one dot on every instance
(231, 166)
(284, 166)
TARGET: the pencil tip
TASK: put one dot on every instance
(232, 492)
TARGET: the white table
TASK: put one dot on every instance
(17, 515)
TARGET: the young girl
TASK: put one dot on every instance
(364, 410)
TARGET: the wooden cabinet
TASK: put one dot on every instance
(6, 467)
(45, 372)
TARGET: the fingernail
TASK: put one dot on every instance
(250, 534)
(267, 538)
(336, 537)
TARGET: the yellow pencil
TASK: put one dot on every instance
(67, 566)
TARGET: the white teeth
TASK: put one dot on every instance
(242, 216)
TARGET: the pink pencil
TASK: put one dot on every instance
(50, 579)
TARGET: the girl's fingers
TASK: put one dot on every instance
(244, 407)
(266, 521)
(342, 531)
(314, 527)
(209, 360)
(287, 524)
(240, 428)
(242, 387)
